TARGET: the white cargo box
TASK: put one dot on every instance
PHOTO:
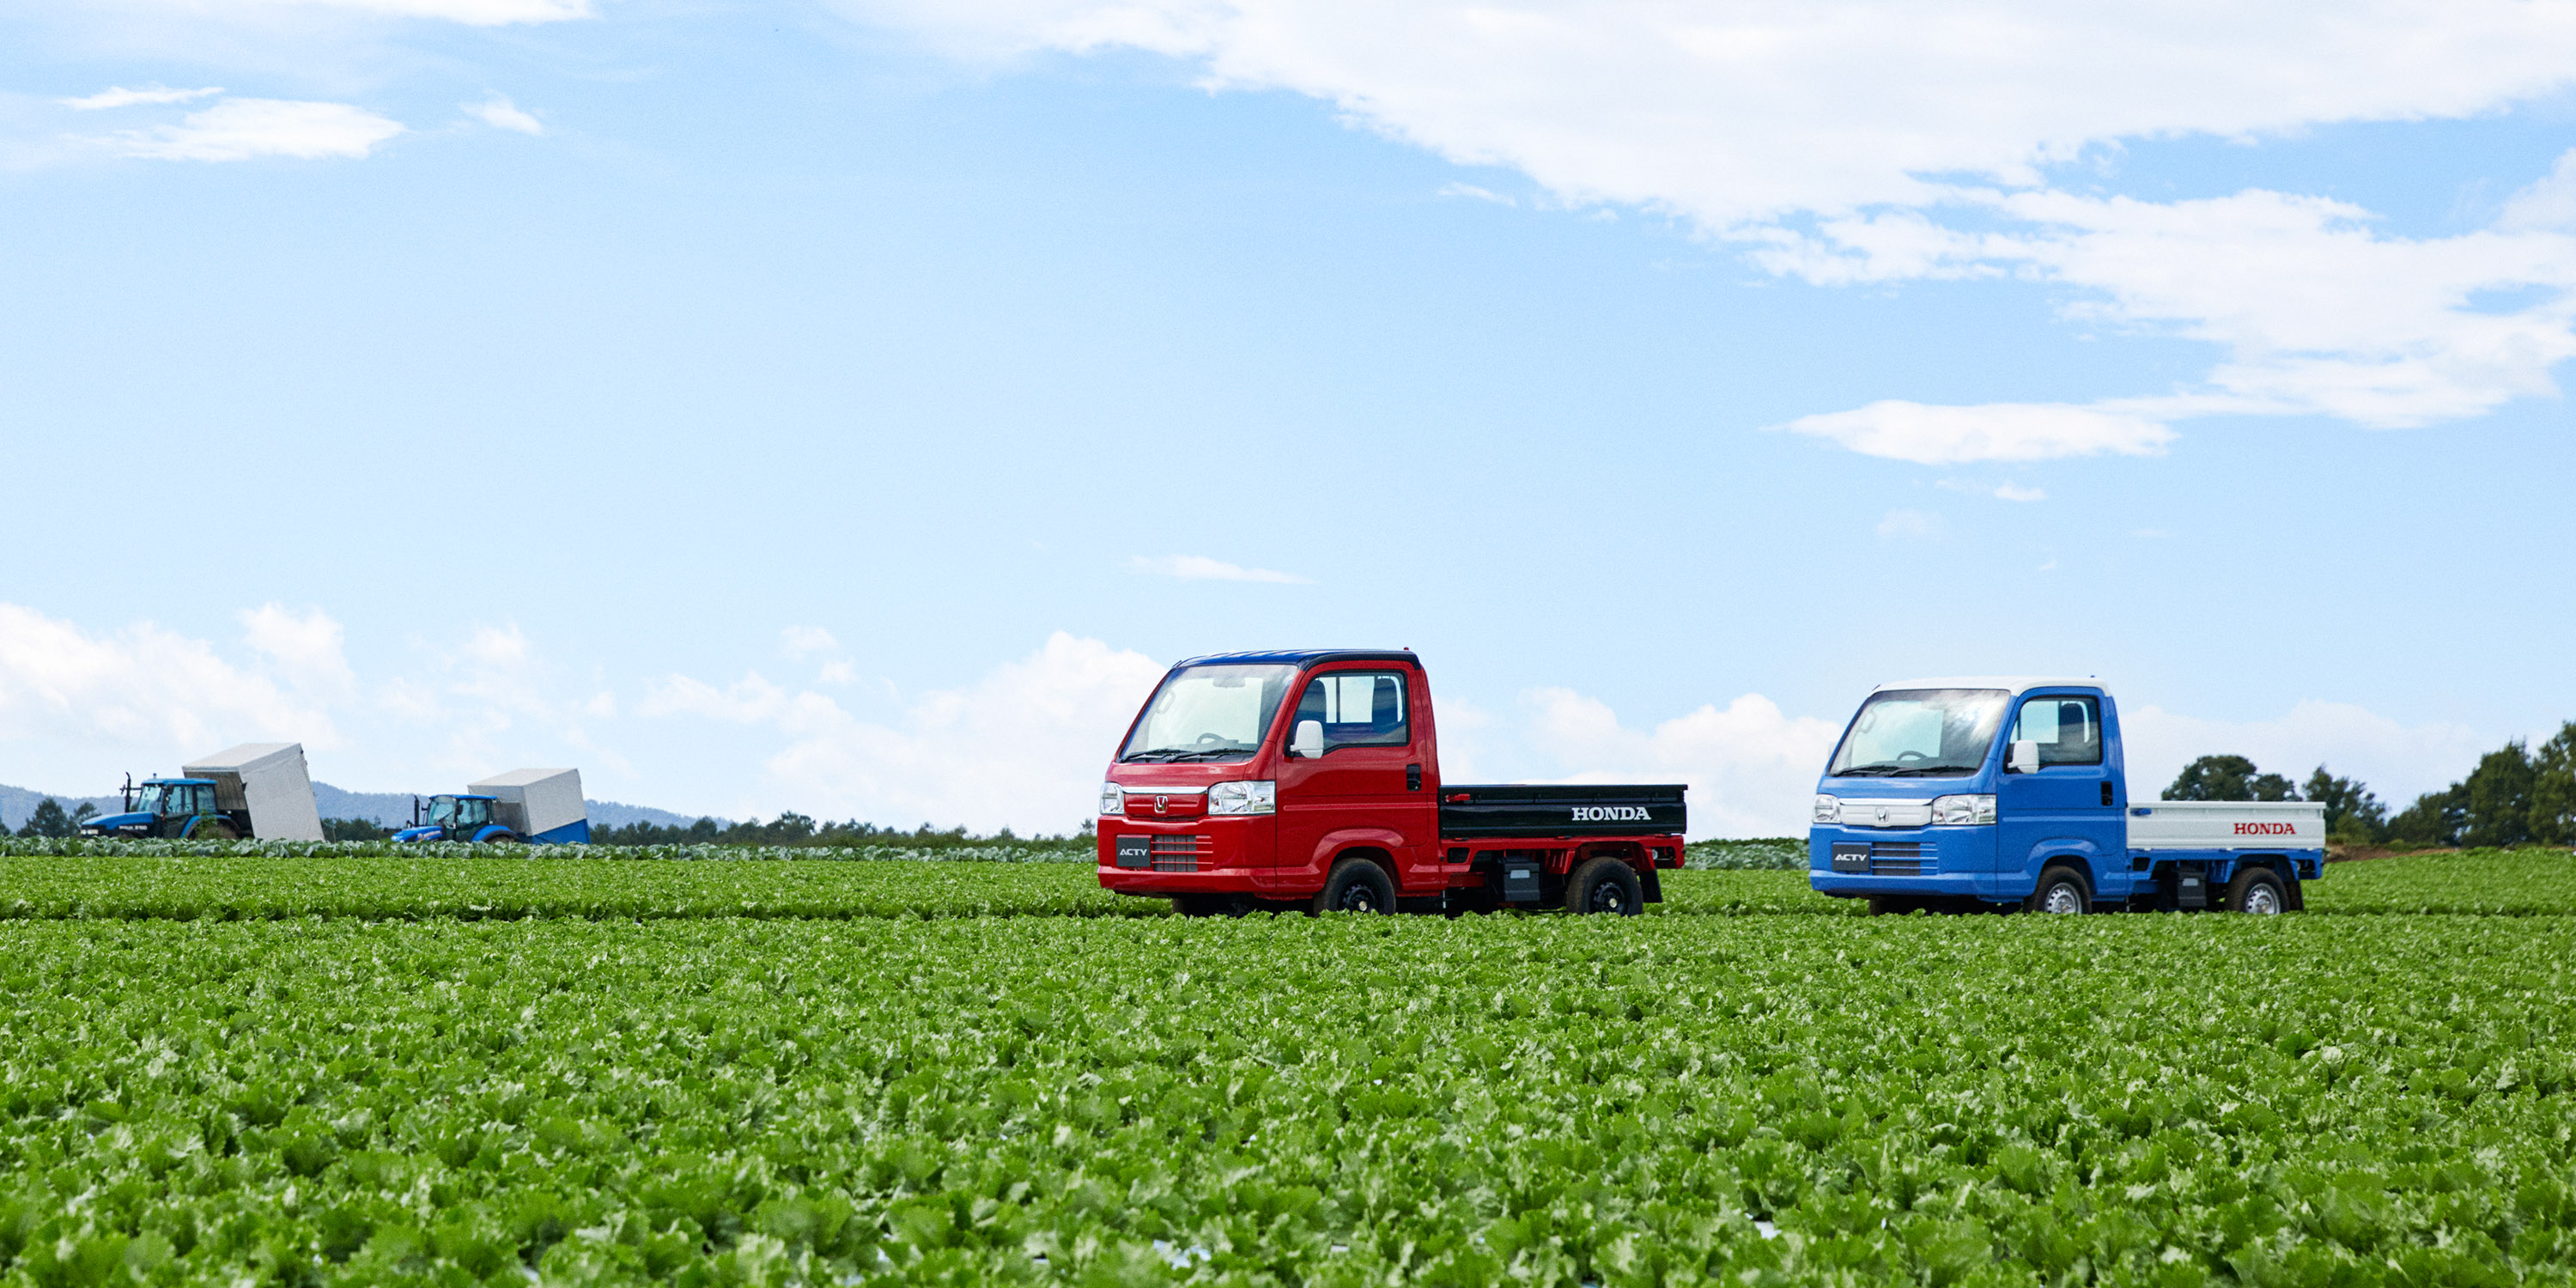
(2228, 825)
(267, 779)
(543, 805)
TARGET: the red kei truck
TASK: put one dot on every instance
(1312, 779)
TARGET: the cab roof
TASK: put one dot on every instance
(178, 782)
(2008, 683)
(1303, 657)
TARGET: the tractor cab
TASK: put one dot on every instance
(454, 818)
(166, 807)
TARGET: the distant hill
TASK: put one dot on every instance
(386, 808)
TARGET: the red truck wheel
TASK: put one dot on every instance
(1606, 885)
(1356, 885)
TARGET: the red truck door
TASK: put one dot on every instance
(1372, 786)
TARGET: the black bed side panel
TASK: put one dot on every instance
(1581, 809)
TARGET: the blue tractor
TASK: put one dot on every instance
(456, 818)
(170, 809)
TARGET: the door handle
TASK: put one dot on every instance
(1413, 778)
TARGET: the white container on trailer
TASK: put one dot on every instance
(543, 805)
(269, 780)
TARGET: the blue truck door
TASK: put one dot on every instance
(2069, 806)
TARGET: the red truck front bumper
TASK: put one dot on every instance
(1206, 855)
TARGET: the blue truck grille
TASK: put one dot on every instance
(1902, 859)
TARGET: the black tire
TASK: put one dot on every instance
(2060, 890)
(1606, 885)
(1357, 885)
(2258, 891)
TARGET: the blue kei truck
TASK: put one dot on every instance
(1995, 793)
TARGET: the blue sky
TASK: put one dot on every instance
(851, 408)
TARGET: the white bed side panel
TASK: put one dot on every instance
(2227, 825)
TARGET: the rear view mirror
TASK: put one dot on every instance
(2021, 758)
(1309, 739)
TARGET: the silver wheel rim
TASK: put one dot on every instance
(2262, 900)
(2062, 897)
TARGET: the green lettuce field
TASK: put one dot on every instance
(224, 1069)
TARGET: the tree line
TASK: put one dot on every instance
(2515, 796)
(791, 828)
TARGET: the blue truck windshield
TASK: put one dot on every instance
(1209, 713)
(1921, 733)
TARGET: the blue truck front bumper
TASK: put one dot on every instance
(1941, 862)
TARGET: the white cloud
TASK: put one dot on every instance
(2016, 492)
(2397, 761)
(1751, 769)
(83, 706)
(1926, 435)
(1472, 191)
(1910, 525)
(501, 114)
(1899, 140)
(799, 641)
(1202, 568)
(304, 648)
(119, 96)
(238, 129)
(1023, 747)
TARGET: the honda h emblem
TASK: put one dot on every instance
(1163, 805)
(1882, 813)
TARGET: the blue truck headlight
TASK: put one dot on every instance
(1113, 800)
(1963, 811)
(1829, 809)
(1258, 797)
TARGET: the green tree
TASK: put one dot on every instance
(49, 820)
(354, 829)
(2499, 806)
(2353, 815)
(2553, 788)
(2434, 819)
(2228, 778)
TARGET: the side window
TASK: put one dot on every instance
(2068, 730)
(1357, 709)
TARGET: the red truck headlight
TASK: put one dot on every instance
(1258, 797)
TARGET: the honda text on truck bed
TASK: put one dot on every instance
(1312, 779)
(2010, 792)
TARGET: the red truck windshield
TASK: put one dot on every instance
(1209, 713)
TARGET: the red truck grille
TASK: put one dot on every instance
(1179, 853)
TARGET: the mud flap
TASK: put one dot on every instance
(1654, 886)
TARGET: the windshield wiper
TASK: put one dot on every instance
(1869, 771)
(1177, 757)
(1921, 771)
